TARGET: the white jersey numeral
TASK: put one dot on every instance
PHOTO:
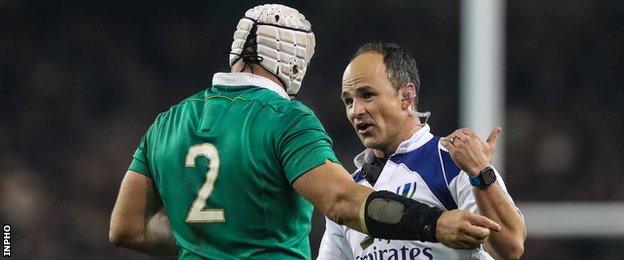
(197, 213)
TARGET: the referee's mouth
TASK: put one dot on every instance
(364, 128)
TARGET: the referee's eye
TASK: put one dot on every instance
(347, 101)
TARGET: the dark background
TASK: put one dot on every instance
(81, 81)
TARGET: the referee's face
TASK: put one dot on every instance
(372, 105)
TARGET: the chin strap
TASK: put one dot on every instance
(248, 58)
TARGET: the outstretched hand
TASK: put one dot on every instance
(470, 152)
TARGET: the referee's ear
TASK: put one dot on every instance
(408, 92)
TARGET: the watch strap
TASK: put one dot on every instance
(476, 181)
(480, 181)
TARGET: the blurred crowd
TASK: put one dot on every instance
(81, 81)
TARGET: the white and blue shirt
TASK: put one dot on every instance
(420, 169)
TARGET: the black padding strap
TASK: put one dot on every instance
(390, 216)
(371, 171)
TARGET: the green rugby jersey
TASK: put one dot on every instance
(223, 162)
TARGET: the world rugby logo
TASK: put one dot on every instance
(406, 190)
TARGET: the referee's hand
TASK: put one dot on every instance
(461, 229)
(469, 152)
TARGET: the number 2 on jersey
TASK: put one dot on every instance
(197, 213)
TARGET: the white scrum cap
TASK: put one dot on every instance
(277, 37)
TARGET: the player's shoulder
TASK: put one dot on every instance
(287, 110)
(163, 116)
(281, 104)
(297, 108)
(267, 98)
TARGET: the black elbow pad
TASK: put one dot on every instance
(390, 216)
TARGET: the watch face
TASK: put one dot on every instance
(488, 176)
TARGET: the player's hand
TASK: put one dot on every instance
(461, 229)
(469, 151)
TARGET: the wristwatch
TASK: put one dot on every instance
(484, 179)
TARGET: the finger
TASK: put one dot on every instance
(461, 135)
(491, 140)
(479, 233)
(484, 222)
(466, 131)
(462, 245)
(458, 244)
(446, 143)
(469, 242)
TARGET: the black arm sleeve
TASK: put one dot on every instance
(390, 216)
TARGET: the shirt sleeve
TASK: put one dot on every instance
(303, 146)
(463, 191)
(139, 159)
(334, 244)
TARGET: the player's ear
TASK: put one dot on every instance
(407, 95)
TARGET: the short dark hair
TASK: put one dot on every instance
(401, 68)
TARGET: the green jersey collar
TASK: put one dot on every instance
(234, 79)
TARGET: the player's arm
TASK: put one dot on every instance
(472, 155)
(383, 214)
(305, 154)
(138, 221)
